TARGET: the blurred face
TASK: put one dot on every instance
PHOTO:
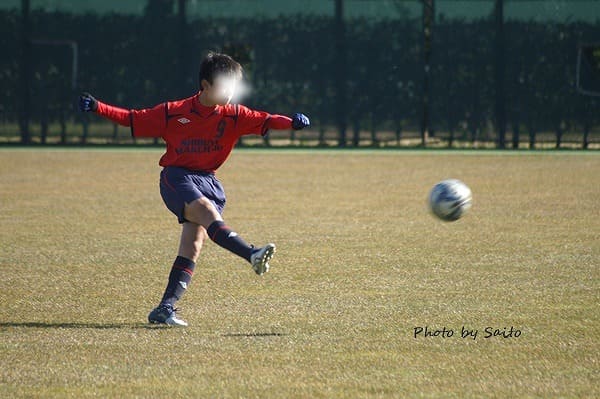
(221, 91)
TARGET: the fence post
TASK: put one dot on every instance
(559, 135)
(340, 71)
(586, 135)
(531, 138)
(428, 17)
(25, 73)
(183, 51)
(516, 135)
(499, 67)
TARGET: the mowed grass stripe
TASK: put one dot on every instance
(87, 245)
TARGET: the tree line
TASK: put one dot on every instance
(138, 61)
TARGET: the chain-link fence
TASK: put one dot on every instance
(381, 73)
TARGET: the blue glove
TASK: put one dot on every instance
(87, 103)
(300, 121)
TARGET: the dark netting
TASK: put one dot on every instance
(478, 73)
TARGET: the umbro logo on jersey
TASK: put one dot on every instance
(183, 121)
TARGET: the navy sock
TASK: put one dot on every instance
(228, 239)
(179, 279)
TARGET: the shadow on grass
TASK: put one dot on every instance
(121, 326)
(258, 334)
(97, 326)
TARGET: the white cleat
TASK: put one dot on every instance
(164, 314)
(261, 257)
(175, 321)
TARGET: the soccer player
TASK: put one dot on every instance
(200, 133)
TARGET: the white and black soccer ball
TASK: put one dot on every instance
(450, 199)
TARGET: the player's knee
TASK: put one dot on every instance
(203, 205)
(201, 211)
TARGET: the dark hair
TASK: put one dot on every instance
(215, 64)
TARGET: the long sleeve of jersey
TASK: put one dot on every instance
(279, 122)
(124, 117)
(118, 115)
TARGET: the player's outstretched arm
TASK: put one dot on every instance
(87, 103)
(298, 121)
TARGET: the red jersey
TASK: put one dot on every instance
(197, 137)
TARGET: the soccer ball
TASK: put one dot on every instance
(450, 199)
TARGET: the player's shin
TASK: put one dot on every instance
(179, 279)
(223, 236)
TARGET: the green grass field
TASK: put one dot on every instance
(86, 247)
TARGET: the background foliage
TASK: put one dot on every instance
(138, 61)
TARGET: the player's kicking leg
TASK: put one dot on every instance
(203, 212)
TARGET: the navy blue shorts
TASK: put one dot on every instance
(179, 186)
